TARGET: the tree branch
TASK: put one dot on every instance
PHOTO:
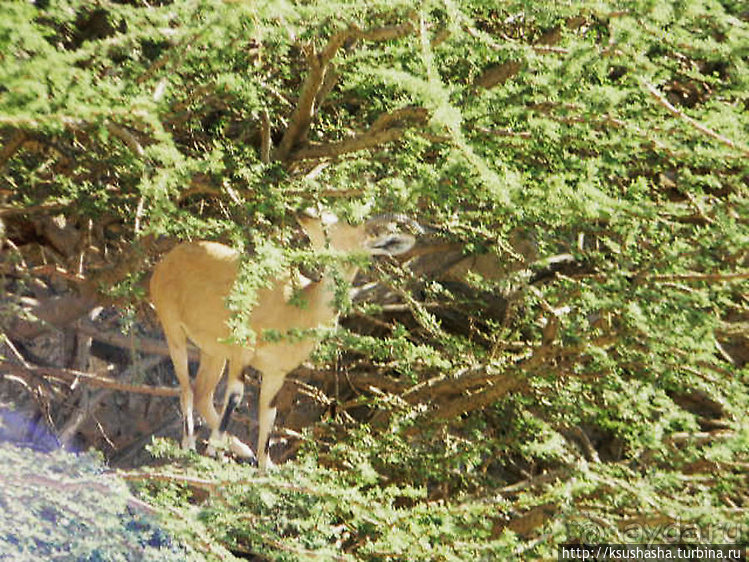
(386, 33)
(369, 139)
(381, 132)
(126, 137)
(316, 86)
(145, 345)
(265, 140)
(661, 99)
(501, 387)
(70, 375)
(640, 278)
(305, 108)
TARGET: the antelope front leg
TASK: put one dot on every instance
(234, 393)
(188, 424)
(178, 352)
(272, 383)
(219, 436)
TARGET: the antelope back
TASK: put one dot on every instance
(189, 288)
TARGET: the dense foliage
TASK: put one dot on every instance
(561, 359)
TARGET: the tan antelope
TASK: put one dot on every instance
(189, 288)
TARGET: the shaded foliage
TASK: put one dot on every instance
(59, 506)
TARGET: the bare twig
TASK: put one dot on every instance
(88, 378)
(386, 33)
(265, 140)
(200, 184)
(604, 121)
(698, 277)
(126, 137)
(512, 44)
(81, 414)
(14, 351)
(399, 117)
(579, 436)
(331, 79)
(42, 209)
(200, 483)
(505, 133)
(640, 278)
(534, 481)
(495, 387)
(661, 99)
(141, 344)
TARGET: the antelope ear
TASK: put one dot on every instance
(314, 222)
(391, 244)
(325, 217)
(328, 218)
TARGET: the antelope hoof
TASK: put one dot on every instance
(188, 442)
(267, 464)
(242, 451)
(216, 445)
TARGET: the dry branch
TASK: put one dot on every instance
(319, 81)
(200, 184)
(661, 99)
(505, 133)
(75, 124)
(500, 388)
(302, 116)
(480, 389)
(126, 137)
(640, 278)
(399, 117)
(71, 486)
(62, 311)
(482, 385)
(265, 140)
(145, 345)
(387, 128)
(386, 33)
(363, 141)
(497, 74)
(42, 209)
(445, 386)
(699, 277)
(604, 122)
(132, 259)
(70, 375)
